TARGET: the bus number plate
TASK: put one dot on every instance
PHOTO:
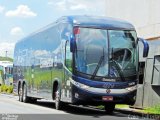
(107, 98)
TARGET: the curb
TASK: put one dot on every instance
(132, 113)
(129, 111)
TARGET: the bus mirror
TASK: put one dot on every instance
(145, 48)
(72, 43)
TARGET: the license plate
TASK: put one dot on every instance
(107, 98)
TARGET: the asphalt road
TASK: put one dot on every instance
(12, 109)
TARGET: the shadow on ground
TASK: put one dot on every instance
(80, 110)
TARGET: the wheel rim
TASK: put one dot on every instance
(20, 93)
(24, 92)
(57, 98)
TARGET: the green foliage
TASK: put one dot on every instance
(153, 110)
(6, 59)
(10, 89)
(6, 88)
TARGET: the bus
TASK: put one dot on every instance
(6, 73)
(1, 76)
(80, 60)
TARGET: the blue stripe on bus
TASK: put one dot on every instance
(101, 84)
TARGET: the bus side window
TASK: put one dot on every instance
(5, 69)
(68, 56)
(11, 70)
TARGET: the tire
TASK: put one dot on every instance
(25, 98)
(109, 108)
(20, 93)
(32, 100)
(58, 103)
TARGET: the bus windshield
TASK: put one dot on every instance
(124, 54)
(105, 53)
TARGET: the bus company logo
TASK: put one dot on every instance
(108, 86)
(108, 91)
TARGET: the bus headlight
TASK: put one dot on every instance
(84, 86)
(80, 85)
(131, 83)
(132, 88)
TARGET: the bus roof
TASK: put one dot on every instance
(98, 22)
(89, 21)
(6, 63)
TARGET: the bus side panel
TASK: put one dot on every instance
(16, 68)
(46, 64)
(38, 59)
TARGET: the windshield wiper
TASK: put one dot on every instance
(97, 67)
(118, 68)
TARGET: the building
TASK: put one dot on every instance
(144, 15)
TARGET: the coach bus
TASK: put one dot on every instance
(80, 60)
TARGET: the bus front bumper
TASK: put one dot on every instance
(97, 96)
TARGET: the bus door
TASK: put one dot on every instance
(67, 72)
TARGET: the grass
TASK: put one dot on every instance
(117, 106)
(122, 106)
(100, 107)
(153, 110)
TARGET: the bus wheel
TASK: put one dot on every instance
(20, 93)
(32, 100)
(58, 103)
(24, 94)
(109, 108)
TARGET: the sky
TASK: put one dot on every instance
(19, 18)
